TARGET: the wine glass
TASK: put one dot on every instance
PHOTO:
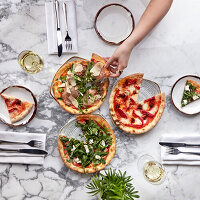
(152, 170)
(30, 61)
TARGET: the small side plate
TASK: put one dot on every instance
(21, 93)
(114, 23)
(177, 93)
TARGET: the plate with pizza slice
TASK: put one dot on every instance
(80, 86)
(18, 106)
(130, 114)
(87, 144)
(185, 94)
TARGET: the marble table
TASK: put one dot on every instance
(171, 50)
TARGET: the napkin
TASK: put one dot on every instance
(22, 158)
(51, 26)
(181, 159)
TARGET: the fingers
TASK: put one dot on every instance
(109, 62)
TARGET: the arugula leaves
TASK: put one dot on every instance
(113, 185)
(188, 94)
(95, 147)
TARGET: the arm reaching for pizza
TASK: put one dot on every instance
(154, 12)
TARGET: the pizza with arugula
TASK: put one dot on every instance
(128, 114)
(97, 149)
(191, 92)
(81, 86)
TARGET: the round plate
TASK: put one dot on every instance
(23, 94)
(114, 23)
(177, 94)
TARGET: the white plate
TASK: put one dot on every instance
(114, 23)
(177, 94)
(23, 94)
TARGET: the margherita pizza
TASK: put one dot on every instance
(81, 86)
(18, 109)
(132, 116)
(95, 152)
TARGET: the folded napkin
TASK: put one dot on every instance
(51, 26)
(181, 159)
(22, 158)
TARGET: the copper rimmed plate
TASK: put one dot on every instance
(22, 93)
(114, 23)
(177, 94)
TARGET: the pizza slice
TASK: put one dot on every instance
(95, 152)
(191, 92)
(17, 108)
(98, 71)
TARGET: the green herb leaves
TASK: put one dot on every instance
(188, 94)
(95, 147)
(113, 185)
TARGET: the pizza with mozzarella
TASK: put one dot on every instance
(97, 149)
(81, 86)
(17, 108)
(132, 116)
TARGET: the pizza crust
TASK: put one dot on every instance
(195, 84)
(69, 108)
(90, 168)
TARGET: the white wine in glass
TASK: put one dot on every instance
(152, 170)
(30, 61)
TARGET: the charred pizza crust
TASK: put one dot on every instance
(70, 109)
(129, 129)
(90, 168)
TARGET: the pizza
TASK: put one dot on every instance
(81, 86)
(191, 92)
(128, 114)
(97, 149)
(17, 108)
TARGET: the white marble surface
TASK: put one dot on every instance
(170, 51)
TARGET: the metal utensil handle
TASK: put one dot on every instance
(193, 153)
(9, 150)
(192, 145)
(57, 15)
(65, 15)
(4, 141)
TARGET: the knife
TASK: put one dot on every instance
(30, 151)
(173, 144)
(59, 36)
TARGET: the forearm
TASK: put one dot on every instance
(154, 12)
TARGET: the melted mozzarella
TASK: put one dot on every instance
(124, 121)
(187, 88)
(86, 148)
(131, 88)
(137, 112)
(62, 85)
(98, 157)
(195, 97)
(77, 160)
(145, 106)
(153, 110)
(138, 122)
(78, 68)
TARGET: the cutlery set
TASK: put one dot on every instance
(68, 40)
(32, 143)
(172, 148)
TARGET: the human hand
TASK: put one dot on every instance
(119, 60)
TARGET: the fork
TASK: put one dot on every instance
(31, 143)
(68, 40)
(175, 151)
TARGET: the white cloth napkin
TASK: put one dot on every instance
(181, 159)
(51, 26)
(21, 157)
